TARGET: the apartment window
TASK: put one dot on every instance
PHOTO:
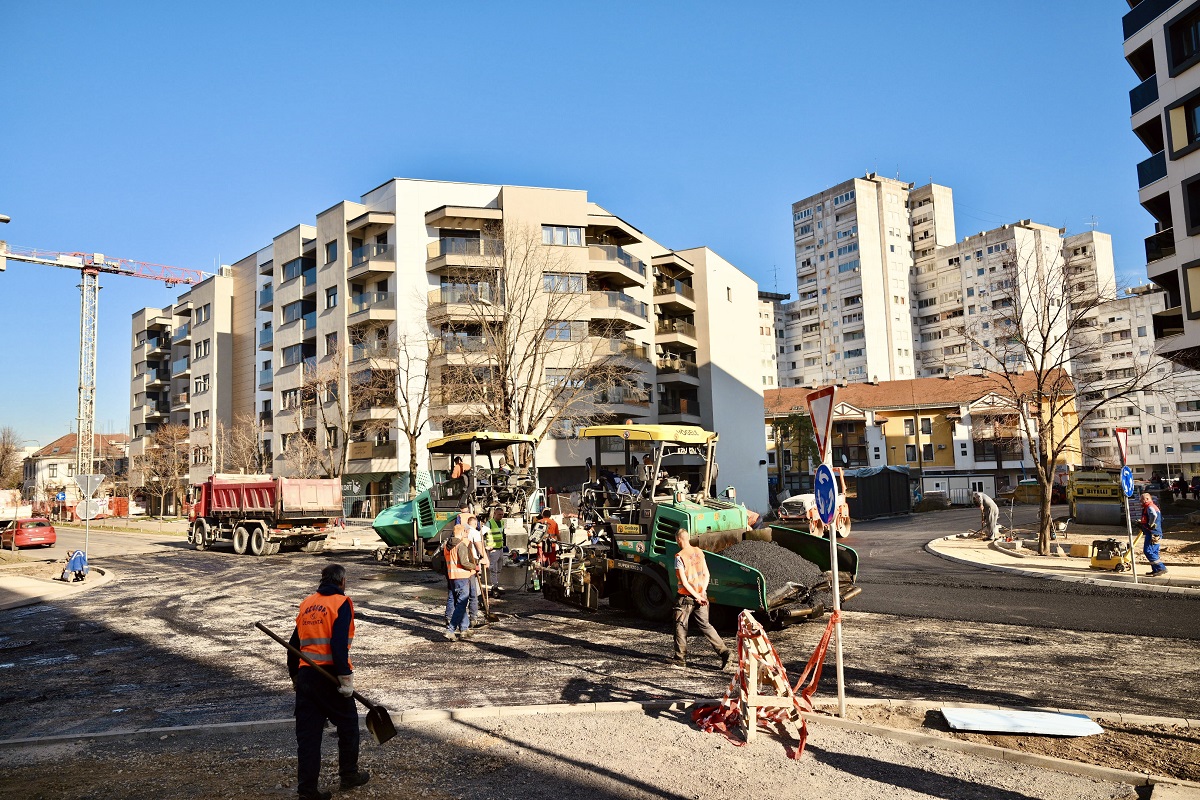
(1153, 449)
(1183, 41)
(331, 297)
(910, 452)
(1183, 125)
(562, 283)
(54, 470)
(201, 349)
(562, 234)
(331, 437)
(200, 385)
(293, 311)
(331, 253)
(1151, 429)
(910, 428)
(926, 425)
(855, 353)
(203, 314)
(331, 343)
(200, 420)
(927, 452)
(560, 331)
(293, 355)
(1141, 330)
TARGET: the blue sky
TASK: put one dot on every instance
(190, 134)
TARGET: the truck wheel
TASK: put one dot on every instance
(379, 555)
(314, 545)
(241, 537)
(258, 543)
(843, 527)
(200, 535)
(651, 600)
(273, 548)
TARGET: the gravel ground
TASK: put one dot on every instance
(548, 757)
(778, 566)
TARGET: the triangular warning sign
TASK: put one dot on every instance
(820, 407)
(1122, 435)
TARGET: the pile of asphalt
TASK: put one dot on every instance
(779, 566)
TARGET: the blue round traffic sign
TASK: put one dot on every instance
(1127, 481)
(825, 489)
(61, 496)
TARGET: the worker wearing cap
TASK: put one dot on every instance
(324, 632)
(460, 570)
(1151, 525)
(691, 572)
(989, 516)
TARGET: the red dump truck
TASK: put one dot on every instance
(260, 513)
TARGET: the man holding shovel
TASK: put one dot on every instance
(324, 632)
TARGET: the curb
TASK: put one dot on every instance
(106, 575)
(1034, 573)
(1096, 772)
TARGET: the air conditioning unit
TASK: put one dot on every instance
(941, 447)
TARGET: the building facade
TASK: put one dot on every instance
(50, 471)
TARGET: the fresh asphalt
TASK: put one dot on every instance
(899, 577)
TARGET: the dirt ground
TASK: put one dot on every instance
(1159, 750)
(547, 757)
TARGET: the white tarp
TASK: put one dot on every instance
(1003, 721)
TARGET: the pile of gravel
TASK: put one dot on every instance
(778, 566)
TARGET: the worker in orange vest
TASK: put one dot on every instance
(324, 632)
(691, 572)
(460, 572)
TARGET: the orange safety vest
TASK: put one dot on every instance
(694, 569)
(454, 570)
(314, 623)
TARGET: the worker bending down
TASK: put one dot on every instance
(989, 516)
(691, 571)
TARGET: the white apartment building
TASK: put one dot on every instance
(49, 471)
(396, 264)
(1162, 45)
(771, 313)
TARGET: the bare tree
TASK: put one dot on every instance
(523, 350)
(164, 462)
(301, 458)
(1041, 319)
(235, 447)
(412, 395)
(11, 468)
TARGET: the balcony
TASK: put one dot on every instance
(369, 351)
(309, 277)
(266, 337)
(266, 420)
(618, 267)
(618, 307)
(180, 400)
(678, 369)
(266, 268)
(157, 376)
(182, 333)
(372, 307)
(1152, 169)
(458, 398)
(1161, 245)
(266, 297)
(624, 348)
(623, 401)
(1143, 14)
(181, 366)
(465, 302)
(456, 251)
(674, 262)
(674, 296)
(372, 259)
(682, 410)
(463, 217)
(675, 331)
(266, 379)
(310, 321)
(158, 409)
(364, 451)
(1143, 94)
(449, 346)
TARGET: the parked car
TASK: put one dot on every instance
(27, 532)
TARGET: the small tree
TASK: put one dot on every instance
(11, 468)
(164, 462)
(796, 432)
(412, 395)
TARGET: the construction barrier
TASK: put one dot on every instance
(745, 707)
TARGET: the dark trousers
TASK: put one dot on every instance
(318, 700)
(458, 595)
(687, 608)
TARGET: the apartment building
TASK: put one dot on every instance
(771, 314)
(183, 370)
(1162, 46)
(414, 261)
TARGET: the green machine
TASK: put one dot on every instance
(634, 510)
(414, 530)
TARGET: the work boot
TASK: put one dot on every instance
(678, 662)
(449, 634)
(355, 779)
(728, 654)
(319, 794)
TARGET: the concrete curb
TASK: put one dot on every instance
(106, 575)
(1034, 573)
(909, 737)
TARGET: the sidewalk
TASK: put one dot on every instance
(19, 589)
(1024, 560)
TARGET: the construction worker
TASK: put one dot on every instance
(478, 556)
(549, 546)
(459, 473)
(460, 569)
(324, 632)
(494, 542)
(989, 516)
(1151, 525)
(691, 572)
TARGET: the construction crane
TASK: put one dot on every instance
(90, 266)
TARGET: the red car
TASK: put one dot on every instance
(28, 532)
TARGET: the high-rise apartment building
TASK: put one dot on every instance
(772, 354)
(1162, 45)
(415, 262)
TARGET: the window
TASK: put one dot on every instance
(1151, 429)
(331, 256)
(927, 452)
(926, 425)
(563, 377)
(1153, 449)
(203, 314)
(562, 282)
(292, 312)
(200, 420)
(1183, 125)
(200, 385)
(54, 470)
(853, 300)
(803, 214)
(855, 353)
(331, 297)
(849, 266)
(560, 331)
(910, 452)
(331, 343)
(201, 350)
(845, 197)
(1183, 41)
(562, 235)
(293, 355)
(910, 428)
(331, 437)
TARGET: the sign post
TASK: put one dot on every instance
(88, 484)
(1122, 435)
(820, 408)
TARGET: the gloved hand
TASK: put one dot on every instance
(345, 685)
(295, 684)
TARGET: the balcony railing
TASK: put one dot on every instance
(361, 255)
(1143, 94)
(683, 405)
(625, 347)
(181, 333)
(462, 246)
(158, 375)
(180, 399)
(1160, 245)
(677, 365)
(448, 345)
(266, 295)
(1143, 14)
(1152, 169)
(266, 420)
(266, 378)
(620, 301)
(456, 393)
(361, 302)
(465, 295)
(365, 350)
(180, 366)
(265, 337)
(310, 321)
(621, 395)
(310, 276)
(667, 326)
(674, 287)
(610, 252)
(361, 451)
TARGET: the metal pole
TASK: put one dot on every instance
(831, 532)
(1129, 533)
(89, 299)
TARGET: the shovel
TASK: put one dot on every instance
(379, 724)
(487, 605)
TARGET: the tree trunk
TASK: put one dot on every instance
(412, 465)
(1045, 518)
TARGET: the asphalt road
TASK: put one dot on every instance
(899, 577)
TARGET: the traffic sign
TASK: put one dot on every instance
(1127, 481)
(1122, 435)
(825, 489)
(61, 497)
(820, 409)
(89, 509)
(88, 484)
